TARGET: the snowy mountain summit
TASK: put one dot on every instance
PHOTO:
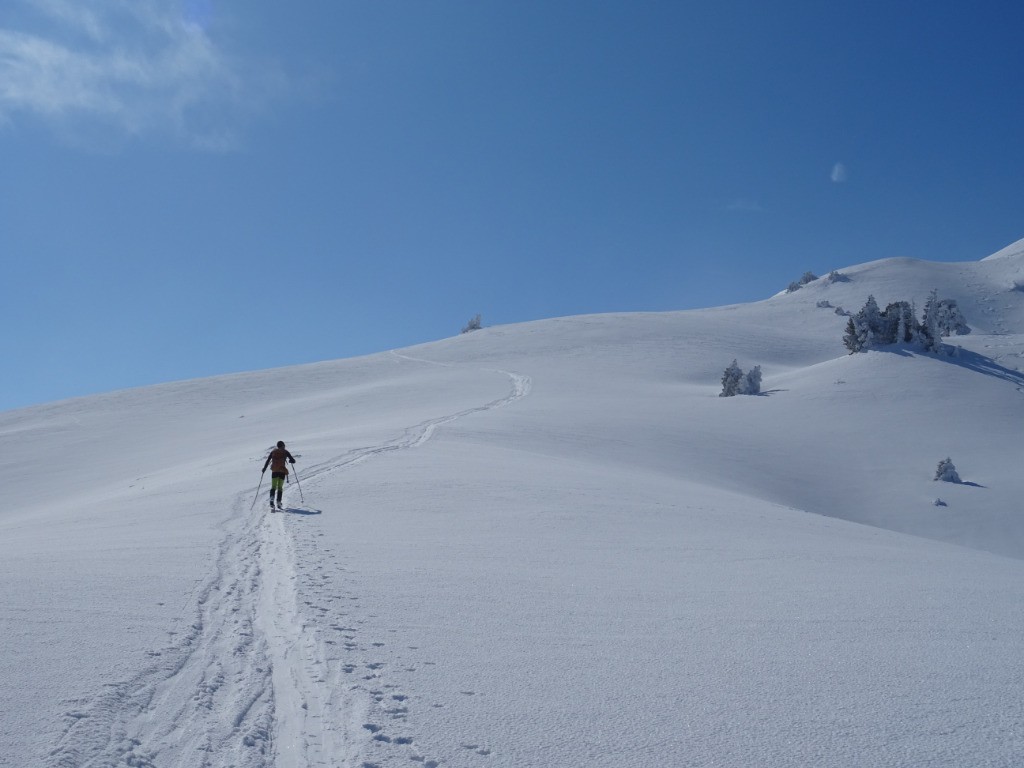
(547, 544)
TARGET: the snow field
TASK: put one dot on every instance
(592, 621)
(546, 544)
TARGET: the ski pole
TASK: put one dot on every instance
(257, 490)
(298, 483)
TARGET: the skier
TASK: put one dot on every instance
(277, 461)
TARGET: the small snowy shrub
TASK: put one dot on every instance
(837, 277)
(797, 285)
(473, 325)
(824, 304)
(946, 472)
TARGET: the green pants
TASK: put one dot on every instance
(276, 487)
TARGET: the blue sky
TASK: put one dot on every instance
(194, 187)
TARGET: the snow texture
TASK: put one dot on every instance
(549, 544)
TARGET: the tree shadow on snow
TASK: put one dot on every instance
(986, 365)
(972, 361)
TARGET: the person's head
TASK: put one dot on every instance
(280, 443)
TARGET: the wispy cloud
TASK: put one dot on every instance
(839, 173)
(135, 67)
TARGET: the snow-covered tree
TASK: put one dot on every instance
(871, 315)
(853, 339)
(931, 335)
(898, 324)
(474, 324)
(731, 380)
(736, 382)
(864, 327)
(947, 472)
(750, 384)
(950, 319)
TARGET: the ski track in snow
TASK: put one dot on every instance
(422, 432)
(206, 700)
(251, 682)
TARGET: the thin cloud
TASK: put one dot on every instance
(136, 66)
(839, 173)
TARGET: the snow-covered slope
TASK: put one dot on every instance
(542, 544)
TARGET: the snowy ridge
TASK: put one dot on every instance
(1012, 251)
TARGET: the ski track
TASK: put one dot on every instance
(422, 432)
(254, 681)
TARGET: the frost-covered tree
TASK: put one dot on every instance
(947, 472)
(930, 334)
(871, 315)
(853, 339)
(898, 324)
(474, 324)
(950, 319)
(731, 380)
(736, 382)
(750, 384)
(863, 329)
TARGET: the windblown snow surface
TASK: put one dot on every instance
(548, 544)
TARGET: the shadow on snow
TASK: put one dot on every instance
(972, 361)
